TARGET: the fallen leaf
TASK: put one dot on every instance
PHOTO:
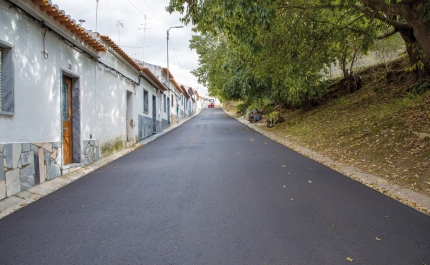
(332, 225)
(378, 239)
(349, 259)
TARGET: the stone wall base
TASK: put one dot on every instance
(24, 165)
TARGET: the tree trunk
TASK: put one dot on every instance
(415, 17)
(418, 45)
(343, 59)
(416, 33)
(416, 56)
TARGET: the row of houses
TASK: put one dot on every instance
(69, 96)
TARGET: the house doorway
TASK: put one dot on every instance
(168, 111)
(67, 120)
(154, 114)
(129, 117)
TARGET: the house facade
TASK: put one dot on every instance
(68, 96)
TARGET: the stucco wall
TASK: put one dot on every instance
(31, 144)
(37, 81)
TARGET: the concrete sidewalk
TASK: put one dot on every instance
(23, 198)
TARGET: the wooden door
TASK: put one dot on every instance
(67, 121)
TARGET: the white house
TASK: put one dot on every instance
(174, 93)
(68, 95)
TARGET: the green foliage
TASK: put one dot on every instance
(426, 11)
(273, 117)
(275, 50)
(420, 88)
(241, 108)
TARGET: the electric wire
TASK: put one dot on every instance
(42, 24)
(177, 60)
(153, 13)
(141, 46)
(159, 25)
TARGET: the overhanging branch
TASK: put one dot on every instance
(369, 13)
(388, 34)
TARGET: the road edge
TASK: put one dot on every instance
(404, 195)
(12, 204)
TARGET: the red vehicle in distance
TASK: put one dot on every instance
(211, 104)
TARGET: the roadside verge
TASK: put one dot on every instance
(404, 195)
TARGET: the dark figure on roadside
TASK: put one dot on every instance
(253, 116)
(354, 82)
(359, 82)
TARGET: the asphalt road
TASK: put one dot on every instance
(213, 191)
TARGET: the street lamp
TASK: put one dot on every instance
(97, 9)
(168, 79)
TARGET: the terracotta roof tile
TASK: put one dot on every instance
(70, 24)
(154, 78)
(120, 51)
(185, 91)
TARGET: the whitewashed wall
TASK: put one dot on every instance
(111, 94)
(37, 81)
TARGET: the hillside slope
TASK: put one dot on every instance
(383, 128)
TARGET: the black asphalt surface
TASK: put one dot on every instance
(213, 191)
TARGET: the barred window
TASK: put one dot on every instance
(145, 101)
(1, 68)
(6, 79)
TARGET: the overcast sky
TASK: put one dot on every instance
(131, 13)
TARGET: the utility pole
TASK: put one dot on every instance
(144, 31)
(97, 9)
(168, 79)
(120, 25)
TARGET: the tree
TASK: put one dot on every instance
(408, 17)
(279, 48)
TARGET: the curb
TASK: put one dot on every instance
(404, 195)
(24, 198)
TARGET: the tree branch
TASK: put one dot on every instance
(369, 13)
(288, 6)
(381, 5)
(388, 34)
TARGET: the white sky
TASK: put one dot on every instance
(131, 39)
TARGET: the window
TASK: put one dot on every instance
(1, 51)
(145, 101)
(164, 102)
(6, 80)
